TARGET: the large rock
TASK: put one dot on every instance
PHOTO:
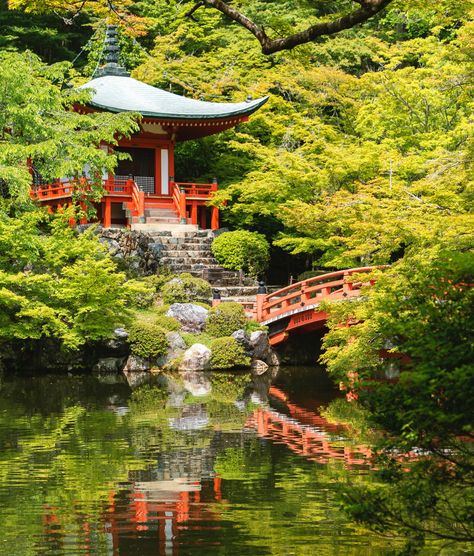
(176, 348)
(196, 358)
(241, 337)
(260, 345)
(135, 364)
(192, 317)
(109, 365)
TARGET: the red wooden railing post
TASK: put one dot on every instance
(347, 286)
(182, 206)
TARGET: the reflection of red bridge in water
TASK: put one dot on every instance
(158, 513)
(296, 308)
(306, 433)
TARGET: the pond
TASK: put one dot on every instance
(176, 464)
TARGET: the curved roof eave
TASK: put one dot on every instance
(125, 94)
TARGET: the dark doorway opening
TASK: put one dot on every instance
(141, 167)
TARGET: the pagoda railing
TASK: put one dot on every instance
(187, 197)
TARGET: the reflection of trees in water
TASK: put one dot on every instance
(93, 436)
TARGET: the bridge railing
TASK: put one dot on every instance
(334, 285)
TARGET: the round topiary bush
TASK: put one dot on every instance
(227, 353)
(225, 318)
(185, 288)
(147, 340)
(242, 250)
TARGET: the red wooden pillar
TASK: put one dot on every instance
(83, 219)
(107, 213)
(215, 218)
(194, 213)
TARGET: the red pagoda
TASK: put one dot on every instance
(143, 192)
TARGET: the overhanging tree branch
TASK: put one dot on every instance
(368, 8)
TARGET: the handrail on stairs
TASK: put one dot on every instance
(138, 200)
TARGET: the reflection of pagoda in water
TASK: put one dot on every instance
(181, 492)
(179, 498)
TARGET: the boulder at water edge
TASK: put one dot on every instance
(135, 363)
(176, 348)
(260, 345)
(192, 317)
(241, 337)
(196, 358)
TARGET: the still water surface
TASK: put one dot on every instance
(197, 464)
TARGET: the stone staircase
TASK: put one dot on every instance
(190, 251)
(161, 216)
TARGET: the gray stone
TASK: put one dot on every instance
(260, 345)
(109, 365)
(259, 367)
(175, 341)
(121, 333)
(156, 249)
(176, 347)
(192, 317)
(135, 363)
(196, 358)
(242, 338)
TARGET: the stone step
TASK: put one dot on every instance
(186, 241)
(179, 253)
(174, 261)
(161, 220)
(174, 228)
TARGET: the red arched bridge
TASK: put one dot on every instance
(297, 308)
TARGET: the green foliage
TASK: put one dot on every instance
(55, 283)
(38, 124)
(147, 340)
(225, 318)
(242, 250)
(227, 353)
(185, 288)
(420, 312)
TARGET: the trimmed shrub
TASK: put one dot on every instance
(185, 288)
(242, 250)
(169, 324)
(225, 318)
(147, 340)
(227, 353)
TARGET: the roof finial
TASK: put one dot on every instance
(112, 53)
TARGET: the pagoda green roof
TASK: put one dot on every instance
(118, 93)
